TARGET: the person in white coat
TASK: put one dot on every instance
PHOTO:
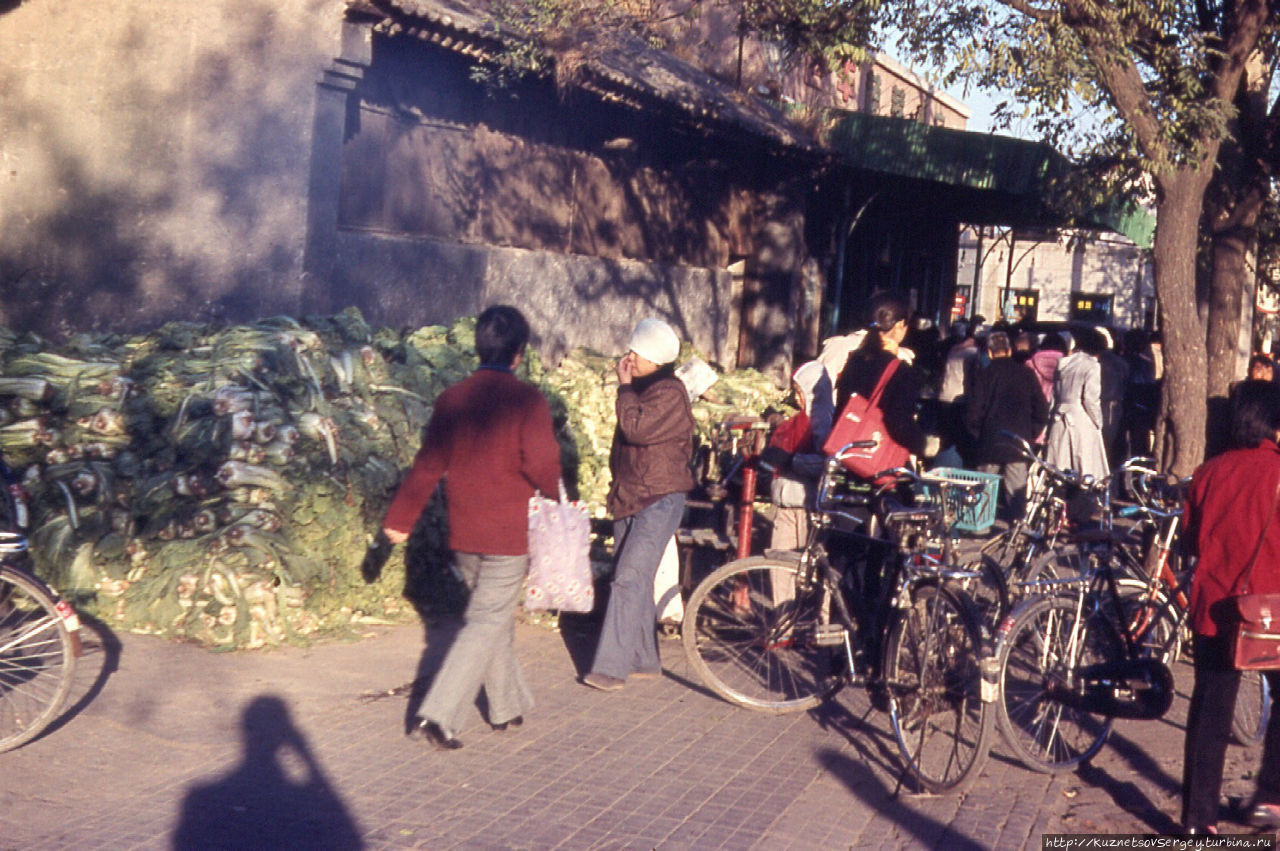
(1075, 441)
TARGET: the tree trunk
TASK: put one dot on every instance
(1184, 406)
(1232, 208)
(1232, 280)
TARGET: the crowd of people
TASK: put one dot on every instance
(1085, 398)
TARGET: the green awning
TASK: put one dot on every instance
(999, 179)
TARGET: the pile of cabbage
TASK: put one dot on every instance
(224, 484)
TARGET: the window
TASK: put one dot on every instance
(873, 93)
(1021, 305)
(898, 102)
(1091, 307)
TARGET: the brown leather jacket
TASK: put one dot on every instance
(653, 444)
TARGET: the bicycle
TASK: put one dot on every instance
(1038, 543)
(786, 631)
(1071, 659)
(39, 633)
(1159, 600)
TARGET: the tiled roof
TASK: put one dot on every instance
(628, 70)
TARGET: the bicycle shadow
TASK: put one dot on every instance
(1127, 795)
(277, 797)
(864, 784)
(96, 640)
(875, 746)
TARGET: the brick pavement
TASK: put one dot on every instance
(157, 754)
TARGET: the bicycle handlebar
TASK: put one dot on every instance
(1150, 510)
(1070, 477)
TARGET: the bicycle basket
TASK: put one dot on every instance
(977, 517)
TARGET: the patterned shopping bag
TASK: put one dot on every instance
(559, 555)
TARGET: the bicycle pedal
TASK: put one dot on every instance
(828, 635)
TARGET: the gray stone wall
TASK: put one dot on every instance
(570, 300)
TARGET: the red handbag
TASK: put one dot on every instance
(860, 420)
(1255, 646)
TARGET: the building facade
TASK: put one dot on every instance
(1057, 276)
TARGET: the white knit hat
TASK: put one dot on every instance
(655, 341)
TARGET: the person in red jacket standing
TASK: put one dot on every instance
(491, 439)
(1233, 527)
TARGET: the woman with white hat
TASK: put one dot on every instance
(652, 448)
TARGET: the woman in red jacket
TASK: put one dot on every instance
(491, 440)
(1233, 527)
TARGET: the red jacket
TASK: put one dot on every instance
(490, 437)
(1231, 498)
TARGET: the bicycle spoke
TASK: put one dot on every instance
(750, 631)
(35, 660)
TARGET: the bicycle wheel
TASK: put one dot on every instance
(36, 659)
(1041, 651)
(934, 681)
(1253, 709)
(760, 636)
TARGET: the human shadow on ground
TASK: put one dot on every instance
(438, 635)
(100, 652)
(434, 589)
(581, 633)
(277, 797)
(922, 831)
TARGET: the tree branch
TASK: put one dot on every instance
(1242, 27)
(1120, 77)
(1026, 8)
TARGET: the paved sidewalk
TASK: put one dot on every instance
(167, 744)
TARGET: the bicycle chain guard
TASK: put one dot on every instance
(1142, 689)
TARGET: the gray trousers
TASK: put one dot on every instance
(627, 639)
(483, 654)
(1013, 486)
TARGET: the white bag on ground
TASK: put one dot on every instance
(559, 555)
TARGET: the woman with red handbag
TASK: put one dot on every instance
(879, 351)
(1231, 526)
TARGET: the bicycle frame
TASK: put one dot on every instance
(923, 557)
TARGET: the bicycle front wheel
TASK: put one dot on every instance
(759, 635)
(37, 659)
(934, 681)
(1253, 709)
(1042, 651)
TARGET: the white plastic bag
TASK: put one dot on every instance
(559, 555)
(666, 586)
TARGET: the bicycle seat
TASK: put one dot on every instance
(1098, 536)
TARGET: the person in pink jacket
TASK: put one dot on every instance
(1044, 363)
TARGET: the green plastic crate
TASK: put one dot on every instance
(978, 517)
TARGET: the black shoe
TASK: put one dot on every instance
(514, 722)
(435, 734)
